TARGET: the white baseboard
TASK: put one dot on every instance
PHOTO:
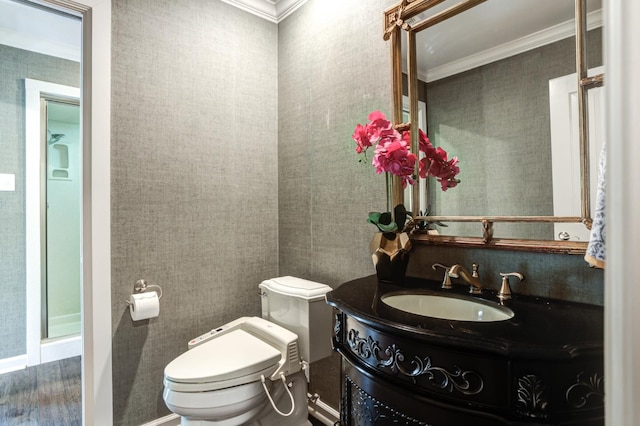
(323, 412)
(319, 410)
(54, 350)
(14, 363)
(169, 420)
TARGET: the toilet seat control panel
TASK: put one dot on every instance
(216, 332)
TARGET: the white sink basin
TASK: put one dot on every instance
(449, 308)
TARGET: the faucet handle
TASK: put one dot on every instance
(474, 270)
(505, 289)
(446, 280)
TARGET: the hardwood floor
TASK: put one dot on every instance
(44, 395)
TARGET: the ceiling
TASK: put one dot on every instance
(31, 28)
(490, 31)
(494, 30)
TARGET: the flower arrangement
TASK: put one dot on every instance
(393, 154)
(390, 247)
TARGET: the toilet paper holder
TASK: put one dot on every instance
(141, 286)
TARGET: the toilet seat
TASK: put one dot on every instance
(228, 376)
(233, 359)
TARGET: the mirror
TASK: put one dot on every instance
(485, 76)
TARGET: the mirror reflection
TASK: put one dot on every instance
(485, 77)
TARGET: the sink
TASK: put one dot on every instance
(445, 307)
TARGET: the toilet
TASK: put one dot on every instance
(254, 370)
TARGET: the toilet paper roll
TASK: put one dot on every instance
(144, 305)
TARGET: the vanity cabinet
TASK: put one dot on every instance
(544, 366)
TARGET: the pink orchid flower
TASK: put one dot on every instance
(393, 154)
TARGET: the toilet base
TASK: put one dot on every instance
(208, 423)
(265, 415)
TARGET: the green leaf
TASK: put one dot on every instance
(374, 217)
(383, 221)
(392, 227)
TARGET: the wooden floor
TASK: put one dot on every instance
(44, 395)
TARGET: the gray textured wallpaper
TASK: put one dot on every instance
(333, 70)
(194, 180)
(495, 118)
(232, 161)
(332, 73)
(15, 66)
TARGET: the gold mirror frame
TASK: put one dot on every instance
(395, 23)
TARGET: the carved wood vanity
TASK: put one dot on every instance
(544, 366)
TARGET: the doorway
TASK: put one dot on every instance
(31, 49)
(53, 184)
(95, 16)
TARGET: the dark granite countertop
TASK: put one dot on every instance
(541, 329)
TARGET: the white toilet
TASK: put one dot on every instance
(251, 371)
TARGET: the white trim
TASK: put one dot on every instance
(523, 44)
(285, 8)
(34, 89)
(57, 349)
(271, 10)
(168, 420)
(97, 386)
(622, 294)
(565, 152)
(263, 9)
(319, 410)
(15, 363)
(323, 412)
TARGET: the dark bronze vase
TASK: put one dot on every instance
(390, 253)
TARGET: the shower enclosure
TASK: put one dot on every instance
(61, 280)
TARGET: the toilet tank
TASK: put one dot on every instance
(299, 306)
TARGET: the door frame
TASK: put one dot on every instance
(622, 292)
(34, 91)
(565, 144)
(95, 101)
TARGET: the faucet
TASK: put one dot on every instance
(446, 280)
(473, 279)
(505, 289)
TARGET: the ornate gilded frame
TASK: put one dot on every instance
(396, 22)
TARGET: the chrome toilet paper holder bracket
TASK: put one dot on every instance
(141, 286)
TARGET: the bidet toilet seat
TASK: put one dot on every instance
(221, 403)
(233, 359)
(257, 376)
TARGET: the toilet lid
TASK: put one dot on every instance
(232, 355)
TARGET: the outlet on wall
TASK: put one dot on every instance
(7, 182)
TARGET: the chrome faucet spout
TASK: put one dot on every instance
(473, 279)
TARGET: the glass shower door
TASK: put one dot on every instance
(61, 285)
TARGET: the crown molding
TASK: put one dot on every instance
(51, 47)
(532, 41)
(271, 10)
